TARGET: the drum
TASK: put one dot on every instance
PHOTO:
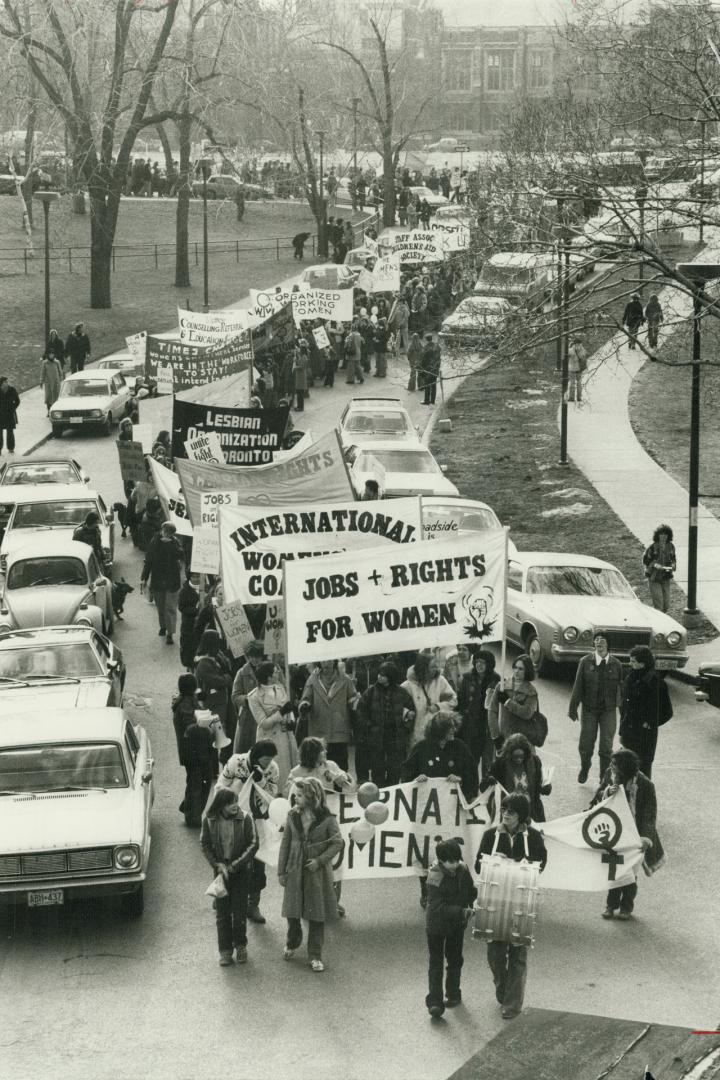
(507, 903)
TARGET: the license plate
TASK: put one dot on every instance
(46, 898)
(665, 665)
(75, 419)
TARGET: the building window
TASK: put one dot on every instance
(500, 70)
(539, 71)
(460, 118)
(458, 70)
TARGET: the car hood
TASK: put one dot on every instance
(82, 404)
(69, 819)
(51, 605)
(602, 611)
(88, 694)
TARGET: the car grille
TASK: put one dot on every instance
(622, 641)
(55, 862)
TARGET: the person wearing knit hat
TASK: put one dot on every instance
(384, 720)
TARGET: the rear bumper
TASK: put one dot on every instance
(74, 888)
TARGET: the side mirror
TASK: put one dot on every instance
(443, 468)
(147, 777)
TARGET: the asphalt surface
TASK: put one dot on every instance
(87, 994)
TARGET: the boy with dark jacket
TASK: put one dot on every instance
(451, 892)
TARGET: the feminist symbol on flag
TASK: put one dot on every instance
(602, 830)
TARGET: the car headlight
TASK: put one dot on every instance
(127, 857)
(674, 638)
(96, 413)
(5, 628)
(55, 414)
(587, 635)
(570, 633)
(658, 639)
(83, 620)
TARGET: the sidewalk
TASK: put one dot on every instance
(602, 443)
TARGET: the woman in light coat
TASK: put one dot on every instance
(329, 700)
(311, 842)
(51, 377)
(272, 711)
(430, 691)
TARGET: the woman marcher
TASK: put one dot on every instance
(188, 603)
(653, 317)
(213, 675)
(430, 692)
(258, 763)
(384, 718)
(163, 442)
(380, 344)
(244, 683)
(440, 754)
(301, 361)
(125, 430)
(577, 365)
(414, 355)
(195, 750)
(311, 842)
(515, 839)
(476, 689)
(9, 404)
(512, 710)
(458, 663)
(329, 699)
(640, 793)
(51, 377)
(660, 563)
(645, 707)
(162, 569)
(314, 761)
(272, 712)
(517, 768)
(55, 344)
(229, 841)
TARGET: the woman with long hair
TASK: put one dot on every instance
(517, 768)
(272, 712)
(314, 762)
(512, 708)
(475, 690)
(660, 563)
(645, 707)
(430, 692)
(311, 842)
(229, 841)
(213, 675)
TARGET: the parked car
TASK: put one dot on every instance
(56, 509)
(707, 684)
(31, 472)
(433, 198)
(130, 366)
(557, 601)
(477, 322)
(400, 469)
(59, 667)
(368, 420)
(444, 518)
(455, 213)
(90, 399)
(328, 276)
(525, 278)
(76, 795)
(50, 581)
(358, 258)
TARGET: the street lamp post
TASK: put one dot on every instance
(355, 103)
(563, 294)
(700, 274)
(322, 225)
(47, 197)
(205, 165)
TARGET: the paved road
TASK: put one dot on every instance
(85, 994)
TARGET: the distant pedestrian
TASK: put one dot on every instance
(660, 564)
(646, 706)
(77, 348)
(301, 362)
(240, 203)
(51, 377)
(414, 355)
(430, 362)
(298, 242)
(424, 212)
(653, 316)
(188, 604)
(353, 356)
(9, 404)
(272, 713)
(577, 366)
(633, 318)
(597, 692)
(450, 892)
(400, 320)
(162, 569)
(229, 842)
(56, 345)
(371, 491)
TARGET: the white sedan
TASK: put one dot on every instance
(477, 322)
(400, 470)
(55, 509)
(90, 399)
(432, 198)
(76, 794)
(366, 421)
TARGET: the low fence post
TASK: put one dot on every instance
(237, 251)
(113, 256)
(277, 249)
(70, 260)
(156, 262)
(25, 260)
(196, 253)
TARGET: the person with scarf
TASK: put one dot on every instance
(229, 841)
(450, 896)
(474, 691)
(515, 839)
(512, 708)
(329, 700)
(430, 692)
(163, 561)
(272, 714)
(384, 718)
(517, 768)
(259, 764)
(311, 842)
(645, 707)
(660, 563)
(625, 771)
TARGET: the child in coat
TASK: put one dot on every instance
(450, 892)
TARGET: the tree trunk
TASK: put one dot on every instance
(388, 181)
(167, 149)
(182, 260)
(103, 219)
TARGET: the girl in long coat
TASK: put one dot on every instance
(645, 707)
(329, 699)
(51, 377)
(55, 344)
(272, 712)
(311, 842)
(9, 404)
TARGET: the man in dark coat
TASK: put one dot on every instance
(430, 366)
(645, 707)
(9, 404)
(384, 718)
(597, 692)
(298, 242)
(633, 318)
(77, 347)
(162, 569)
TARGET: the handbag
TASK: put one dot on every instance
(217, 888)
(537, 731)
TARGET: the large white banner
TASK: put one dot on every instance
(210, 327)
(256, 542)
(386, 275)
(456, 237)
(167, 485)
(264, 303)
(311, 304)
(417, 246)
(436, 592)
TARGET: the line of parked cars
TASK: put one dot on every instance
(76, 774)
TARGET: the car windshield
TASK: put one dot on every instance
(577, 581)
(391, 423)
(479, 310)
(505, 275)
(450, 520)
(53, 515)
(84, 388)
(398, 461)
(27, 573)
(76, 660)
(60, 473)
(57, 768)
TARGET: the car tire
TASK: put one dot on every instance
(543, 664)
(57, 430)
(106, 427)
(132, 904)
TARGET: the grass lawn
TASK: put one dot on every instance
(504, 447)
(143, 298)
